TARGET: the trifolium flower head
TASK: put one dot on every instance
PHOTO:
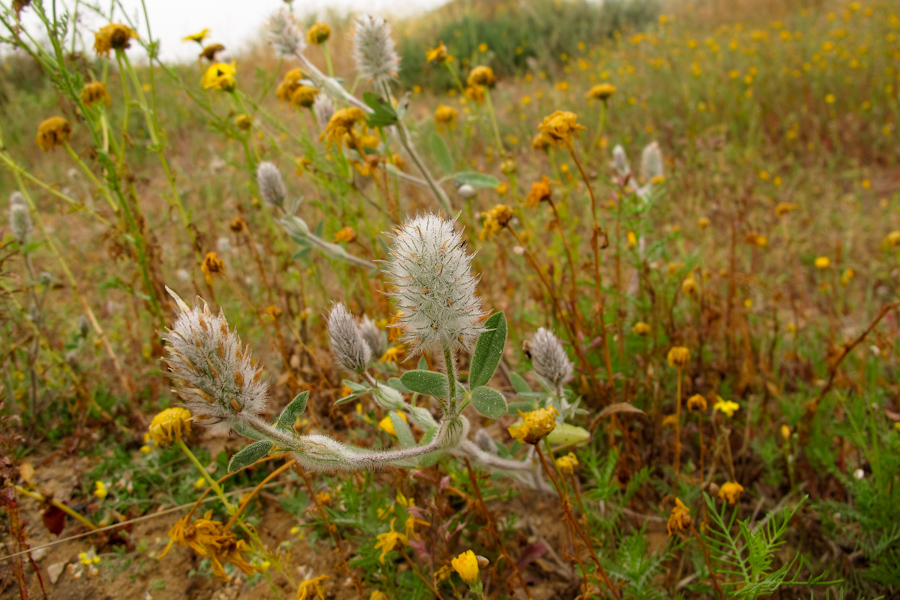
(210, 369)
(271, 185)
(434, 288)
(373, 50)
(323, 108)
(350, 349)
(284, 35)
(651, 162)
(620, 161)
(20, 218)
(373, 336)
(549, 359)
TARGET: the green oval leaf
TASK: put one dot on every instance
(441, 152)
(426, 382)
(476, 180)
(401, 428)
(489, 402)
(289, 415)
(249, 455)
(488, 351)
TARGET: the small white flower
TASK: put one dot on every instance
(350, 349)
(323, 108)
(651, 162)
(373, 49)
(20, 218)
(271, 185)
(285, 36)
(549, 359)
(433, 285)
(620, 161)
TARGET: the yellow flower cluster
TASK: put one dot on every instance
(170, 425)
(495, 220)
(318, 34)
(219, 76)
(114, 36)
(53, 132)
(535, 425)
(561, 128)
(340, 129)
(210, 539)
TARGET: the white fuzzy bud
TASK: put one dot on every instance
(373, 335)
(433, 286)
(651, 162)
(549, 359)
(271, 185)
(466, 191)
(350, 349)
(284, 35)
(373, 49)
(323, 108)
(210, 370)
(20, 218)
(620, 161)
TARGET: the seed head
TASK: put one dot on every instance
(549, 359)
(323, 108)
(433, 285)
(651, 162)
(271, 186)
(350, 349)
(620, 161)
(373, 49)
(20, 218)
(284, 35)
(210, 370)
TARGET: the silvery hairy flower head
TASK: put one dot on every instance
(620, 161)
(350, 349)
(284, 35)
(271, 185)
(210, 369)
(323, 108)
(549, 359)
(372, 334)
(373, 49)
(20, 218)
(434, 288)
(651, 162)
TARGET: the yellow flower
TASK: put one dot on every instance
(604, 91)
(243, 122)
(680, 519)
(388, 426)
(114, 36)
(341, 125)
(209, 52)
(388, 541)
(829, 98)
(211, 539)
(632, 239)
(377, 595)
(731, 492)
(535, 425)
(200, 483)
(392, 354)
(94, 92)
(566, 464)
(689, 285)
(466, 564)
(476, 94)
(891, 241)
(347, 234)
(696, 402)
(703, 222)
(170, 425)
(438, 54)
(670, 421)
(219, 76)
(641, 329)
(785, 432)
(540, 191)
(446, 116)
(481, 76)
(146, 449)
(289, 84)
(212, 264)
(538, 142)
(679, 357)
(561, 128)
(304, 96)
(53, 132)
(823, 262)
(196, 37)
(318, 34)
(100, 489)
(726, 407)
(495, 220)
(783, 208)
(847, 276)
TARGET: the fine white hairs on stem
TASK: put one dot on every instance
(433, 285)
(549, 359)
(651, 162)
(271, 185)
(323, 108)
(350, 349)
(284, 35)
(372, 334)
(210, 369)
(620, 161)
(373, 50)
(20, 218)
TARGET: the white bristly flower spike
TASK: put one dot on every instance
(651, 162)
(549, 359)
(620, 161)
(350, 349)
(271, 185)
(20, 218)
(373, 50)
(323, 108)
(433, 286)
(372, 334)
(211, 370)
(284, 35)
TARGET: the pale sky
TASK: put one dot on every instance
(233, 23)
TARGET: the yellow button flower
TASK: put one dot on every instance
(438, 54)
(679, 357)
(318, 34)
(93, 92)
(679, 519)
(603, 91)
(696, 402)
(446, 116)
(304, 96)
(481, 75)
(53, 132)
(641, 329)
(561, 128)
(466, 564)
(567, 463)
(535, 425)
(114, 36)
(196, 37)
(731, 492)
(209, 52)
(823, 262)
(170, 425)
(219, 76)
(341, 125)
(495, 220)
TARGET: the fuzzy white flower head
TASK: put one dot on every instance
(20, 218)
(211, 371)
(620, 161)
(271, 185)
(651, 162)
(433, 285)
(549, 359)
(284, 35)
(373, 49)
(350, 349)
(323, 108)
(372, 334)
